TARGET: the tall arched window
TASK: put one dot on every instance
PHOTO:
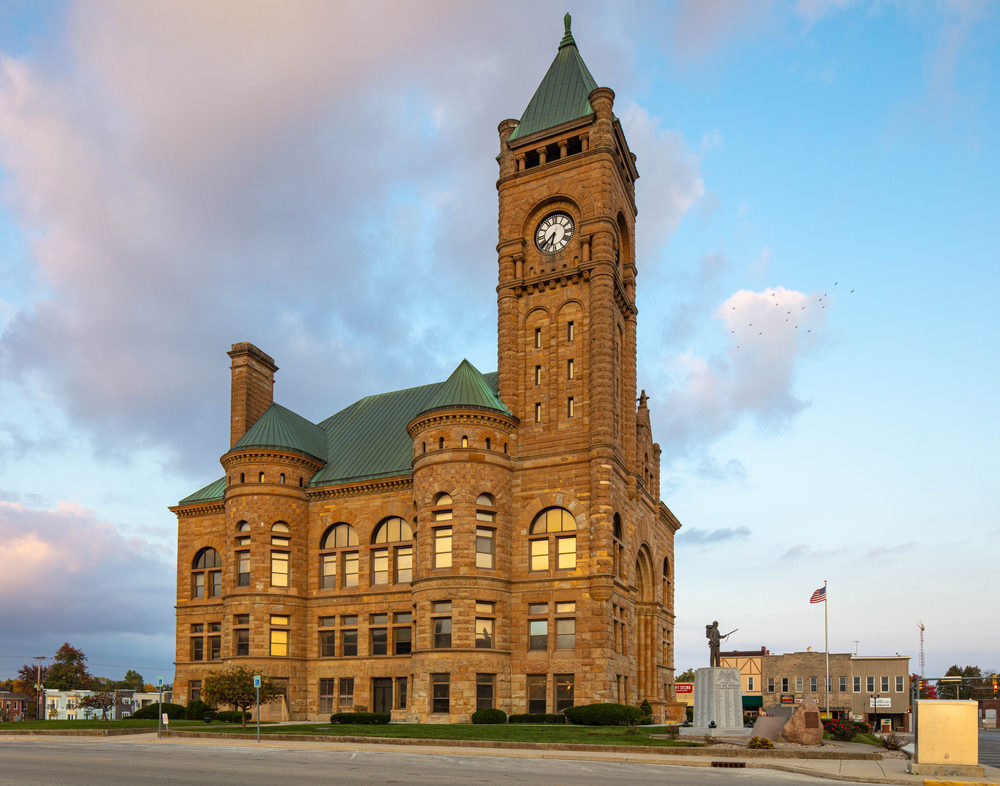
(206, 574)
(485, 533)
(547, 538)
(666, 581)
(339, 554)
(619, 547)
(389, 560)
(442, 534)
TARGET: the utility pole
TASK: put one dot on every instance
(38, 690)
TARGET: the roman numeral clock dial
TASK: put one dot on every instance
(554, 233)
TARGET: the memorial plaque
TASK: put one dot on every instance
(812, 720)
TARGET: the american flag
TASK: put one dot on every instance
(819, 596)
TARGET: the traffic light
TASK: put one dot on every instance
(995, 690)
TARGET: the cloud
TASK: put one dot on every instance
(801, 552)
(711, 468)
(67, 573)
(889, 553)
(811, 11)
(767, 334)
(699, 28)
(710, 537)
(315, 178)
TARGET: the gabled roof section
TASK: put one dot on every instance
(466, 387)
(279, 427)
(211, 492)
(563, 94)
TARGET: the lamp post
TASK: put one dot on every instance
(875, 698)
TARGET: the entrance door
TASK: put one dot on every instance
(382, 691)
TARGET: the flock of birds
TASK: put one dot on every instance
(802, 308)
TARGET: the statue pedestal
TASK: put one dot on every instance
(718, 697)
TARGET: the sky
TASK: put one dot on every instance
(318, 179)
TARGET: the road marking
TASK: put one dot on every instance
(33, 756)
(354, 754)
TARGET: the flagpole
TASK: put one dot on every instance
(826, 630)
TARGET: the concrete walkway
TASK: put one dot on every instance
(858, 771)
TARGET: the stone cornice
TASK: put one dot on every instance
(475, 416)
(199, 508)
(360, 487)
(262, 455)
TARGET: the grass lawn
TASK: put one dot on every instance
(867, 739)
(517, 732)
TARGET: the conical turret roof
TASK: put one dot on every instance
(466, 388)
(279, 427)
(563, 94)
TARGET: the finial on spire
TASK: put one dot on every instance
(568, 38)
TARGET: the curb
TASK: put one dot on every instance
(73, 732)
(703, 753)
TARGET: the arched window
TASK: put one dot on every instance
(441, 443)
(243, 530)
(243, 556)
(424, 444)
(281, 478)
(547, 538)
(442, 512)
(442, 500)
(390, 560)
(260, 478)
(485, 534)
(487, 443)
(279, 534)
(300, 481)
(242, 478)
(339, 554)
(465, 441)
(619, 547)
(206, 575)
(666, 582)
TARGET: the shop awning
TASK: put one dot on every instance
(752, 702)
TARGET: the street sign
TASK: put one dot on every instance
(159, 682)
(256, 681)
(166, 719)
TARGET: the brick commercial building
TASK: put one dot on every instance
(16, 706)
(855, 683)
(492, 540)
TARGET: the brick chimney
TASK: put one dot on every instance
(253, 388)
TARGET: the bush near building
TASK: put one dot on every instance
(603, 714)
(489, 716)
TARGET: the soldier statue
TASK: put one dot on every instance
(714, 640)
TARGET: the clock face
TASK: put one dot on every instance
(554, 233)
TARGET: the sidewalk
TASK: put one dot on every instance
(863, 771)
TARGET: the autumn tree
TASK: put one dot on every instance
(69, 671)
(234, 687)
(27, 679)
(687, 676)
(102, 700)
(928, 691)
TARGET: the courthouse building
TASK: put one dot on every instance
(492, 540)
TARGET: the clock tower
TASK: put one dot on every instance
(567, 356)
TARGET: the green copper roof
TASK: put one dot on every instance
(279, 427)
(212, 491)
(368, 439)
(562, 95)
(466, 388)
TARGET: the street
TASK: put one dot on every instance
(45, 762)
(989, 747)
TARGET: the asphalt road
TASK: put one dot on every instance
(989, 747)
(48, 762)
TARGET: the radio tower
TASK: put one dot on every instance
(921, 648)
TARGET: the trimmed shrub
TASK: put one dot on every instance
(555, 717)
(603, 714)
(762, 743)
(840, 730)
(230, 716)
(360, 717)
(673, 732)
(893, 742)
(527, 717)
(198, 710)
(489, 716)
(152, 711)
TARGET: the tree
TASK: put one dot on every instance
(973, 686)
(928, 691)
(687, 676)
(234, 687)
(133, 681)
(27, 678)
(102, 700)
(69, 670)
